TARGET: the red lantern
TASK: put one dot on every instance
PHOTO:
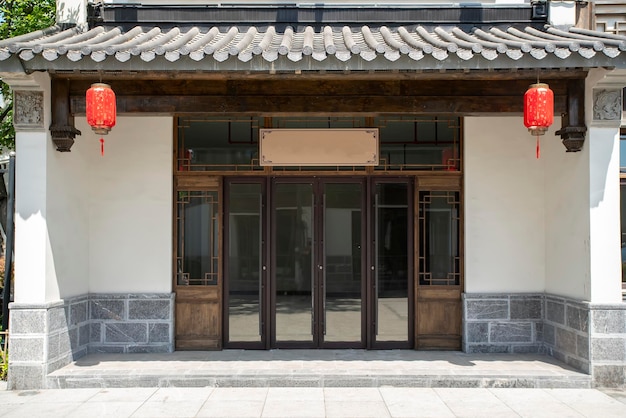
(100, 108)
(538, 110)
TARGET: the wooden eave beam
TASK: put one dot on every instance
(277, 97)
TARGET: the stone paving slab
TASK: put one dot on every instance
(318, 368)
(313, 402)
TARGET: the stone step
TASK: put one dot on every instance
(317, 368)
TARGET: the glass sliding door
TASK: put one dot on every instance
(392, 255)
(317, 245)
(293, 264)
(245, 268)
(341, 274)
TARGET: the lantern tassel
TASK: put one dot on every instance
(538, 151)
(102, 147)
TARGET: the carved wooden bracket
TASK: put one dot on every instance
(62, 127)
(573, 127)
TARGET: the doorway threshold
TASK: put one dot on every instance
(317, 368)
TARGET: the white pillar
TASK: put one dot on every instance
(603, 113)
(35, 280)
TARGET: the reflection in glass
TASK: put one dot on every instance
(197, 253)
(392, 262)
(439, 259)
(294, 262)
(342, 261)
(244, 262)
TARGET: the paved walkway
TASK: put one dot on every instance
(312, 402)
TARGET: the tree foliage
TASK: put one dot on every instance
(17, 18)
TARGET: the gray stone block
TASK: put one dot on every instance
(159, 333)
(527, 349)
(108, 309)
(526, 308)
(160, 348)
(126, 332)
(577, 318)
(555, 312)
(84, 334)
(549, 334)
(477, 332)
(80, 352)
(105, 348)
(578, 364)
(53, 346)
(512, 382)
(27, 349)
(538, 326)
(24, 321)
(565, 341)
(608, 349)
(487, 309)
(58, 363)
(78, 313)
(57, 319)
(508, 332)
(609, 321)
(488, 348)
(149, 309)
(95, 332)
(609, 375)
(23, 377)
(68, 340)
(582, 346)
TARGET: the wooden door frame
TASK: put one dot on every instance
(204, 300)
(264, 343)
(411, 282)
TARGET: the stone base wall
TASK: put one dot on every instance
(46, 337)
(503, 323)
(608, 344)
(566, 331)
(589, 337)
(131, 323)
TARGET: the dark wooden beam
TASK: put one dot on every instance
(316, 96)
(321, 105)
(573, 127)
(62, 127)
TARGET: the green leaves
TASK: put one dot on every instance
(17, 18)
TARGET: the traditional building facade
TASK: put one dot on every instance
(330, 176)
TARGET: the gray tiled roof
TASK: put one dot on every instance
(328, 48)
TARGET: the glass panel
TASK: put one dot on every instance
(244, 262)
(218, 144)
(392, 262)
(623, 222)
(418, 143)
(197, 255)
(439, 261)
(294, 262)
(342, 262)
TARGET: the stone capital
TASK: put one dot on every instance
(607, 107)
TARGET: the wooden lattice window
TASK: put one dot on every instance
(197, 256)
(439, 238)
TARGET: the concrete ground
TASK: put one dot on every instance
(312, 402)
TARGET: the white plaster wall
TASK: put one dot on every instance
(567, 220)
(68, 217)
(130, 206)
(504, 207)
